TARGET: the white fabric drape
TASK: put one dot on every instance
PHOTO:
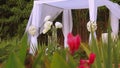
(113, 7)
(67, 24)
(93, 15)
(35, 22)
(114, 16)
(114, 23)
(48, 10)
(74, 4)
(33, 45)
(47, 1)
(38, 14)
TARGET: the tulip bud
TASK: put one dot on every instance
(47, 18)
(58, 25)
(48, 24)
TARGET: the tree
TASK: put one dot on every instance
(14, 15)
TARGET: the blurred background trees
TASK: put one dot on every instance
(14, 15)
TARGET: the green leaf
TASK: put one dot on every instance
(109, 52)
(13, 62)
(37, 60)
(95, 49)
(47, 62)
(71, 62)
(23, 49)
(58, 62)
(115, 56)
(104, 54)
(86, 49)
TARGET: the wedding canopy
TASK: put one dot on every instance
(53, 8)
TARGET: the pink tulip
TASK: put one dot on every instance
(73, 42)
(92, 58)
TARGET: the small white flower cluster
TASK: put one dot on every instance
(105, 37)
(91, 26)
(32, 30)
(114, 37)
(48, 24)
(46, 51)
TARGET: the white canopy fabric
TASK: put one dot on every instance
(93, 15)
(43, 8)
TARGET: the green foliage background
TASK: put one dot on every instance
(14, 15)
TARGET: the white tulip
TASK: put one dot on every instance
(105, 38)
(48, 28)
(48, 24)
(32, 30)
(58, 25)
(114, 37)
(47, 18)
(45, 31)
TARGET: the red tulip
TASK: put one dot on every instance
(81, 66)
(82, 62)
(73, 42)
(87, 63)
(77, 42)
(92, 58)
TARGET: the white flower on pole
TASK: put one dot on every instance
(47, 18)
(32, 30)
(58, 25)
(48, 24)
(91, 26)
(45, 30)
